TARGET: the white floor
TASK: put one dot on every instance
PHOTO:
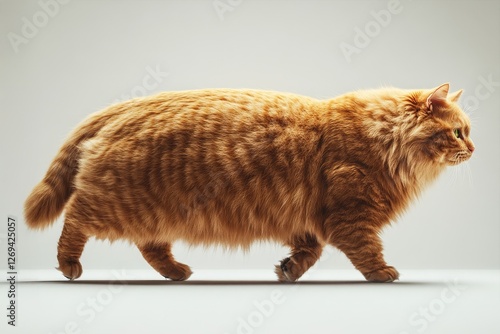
(253, 302)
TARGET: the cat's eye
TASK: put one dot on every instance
(457, 133)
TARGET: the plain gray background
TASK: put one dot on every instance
(62, 61)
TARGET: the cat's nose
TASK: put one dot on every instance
(471, 148)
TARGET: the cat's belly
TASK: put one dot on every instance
(214, 224)
(241, 231)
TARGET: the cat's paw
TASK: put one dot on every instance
(71, 269)
(285, 271)
(180, 272)
(386, 274)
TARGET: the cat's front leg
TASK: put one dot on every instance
(305, 251)
(362, 245)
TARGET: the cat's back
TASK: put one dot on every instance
(209, 116)
(200, 129)
(209, 102)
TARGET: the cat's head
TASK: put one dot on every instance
(443, 127)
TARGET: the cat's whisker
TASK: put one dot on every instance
(453, 176)
(473, 116)
(474, 120)
(469, 174)
(469, 110)
(462, 173)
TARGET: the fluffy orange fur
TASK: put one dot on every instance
(230, 167)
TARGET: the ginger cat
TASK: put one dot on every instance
(230, 167)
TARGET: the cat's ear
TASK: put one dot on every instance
(437, 97)
(453, 97)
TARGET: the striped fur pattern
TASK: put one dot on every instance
(230, 167)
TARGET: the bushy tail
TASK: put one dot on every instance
(47, 200)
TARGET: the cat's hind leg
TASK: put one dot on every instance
(159, 256)
(306, 250)
(70, 248)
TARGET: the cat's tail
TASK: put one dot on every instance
(48, 198)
